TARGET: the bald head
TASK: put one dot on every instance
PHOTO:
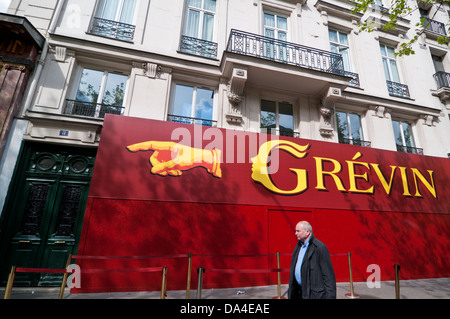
(303, 230)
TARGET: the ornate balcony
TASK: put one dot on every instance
(350, 141)
(442, 79)
(199, 47)
(433, 28)
(112, 29)
(250, 44)
(89, 109)
(398, 89)
(190, 120)
(409, 149)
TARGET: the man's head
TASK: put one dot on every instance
(303, 230)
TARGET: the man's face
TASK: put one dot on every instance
(301, 233)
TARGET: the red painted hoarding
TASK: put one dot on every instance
(168, 189)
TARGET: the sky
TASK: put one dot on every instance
(4, 4)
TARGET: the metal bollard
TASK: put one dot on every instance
(397, 281)
(352, 294)
(164, 283)
(188, 288)
(200, 271)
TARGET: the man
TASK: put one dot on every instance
(311, 275)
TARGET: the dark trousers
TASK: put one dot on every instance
(296, 290)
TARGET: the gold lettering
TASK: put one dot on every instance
(353, 177)
(404, 181)
(387, 186)
(320, 173)
(430, 186)
(260, 170)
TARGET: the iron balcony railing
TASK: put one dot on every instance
(191, 120)
(250, 44)
(351, 141)
(200, 47)
(442, 79)
(434, 26)
(397, 89)
(112, 29)
(89, 109)
(409, 149)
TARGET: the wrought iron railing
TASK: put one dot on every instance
(286, 132)
(89, 109)
(190, 120)
(357, 142)
(112, 29)
(434, 26)
(200, 47)
(409, 149)
(442, 79)
(397, 89)
(355, 78)
(250, 44)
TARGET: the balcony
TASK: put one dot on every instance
(433, 28)
(112, 29)
(198, 47)
(409, 149)
(89, 109)
(190, 120)
(442, 79)
(287, 66)
(350, 141)
(398, 89)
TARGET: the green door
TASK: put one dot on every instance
(45, 212)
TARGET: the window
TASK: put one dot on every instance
(442, 78)
(391, 73)
(278, 116)
(98, 93)
(198, 33)
(339, 44)
(275, 27)
(114, 19)
(194, 105)
(404, 138)
(349, 129)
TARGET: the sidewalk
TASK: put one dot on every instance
(438, 288)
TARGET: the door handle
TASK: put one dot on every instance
(24, 241)
(60, 242)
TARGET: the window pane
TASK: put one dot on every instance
(286, 117)
(386, 70)
(268, 114)
(355, 124)
(182, 104)
(192, 23)
(204, 104)
(127, 13)
(394, 71)
(210, 5)
(383, 50)
(390, 52)
(282, 36)
(282, 23)
(114, 89)
(343, 38)
(407, 134)
(208, 27)
(342, 125)
(109, 10)
(345, 58)
(269, 20)
(333, 35)
(89, 87)
(195, 3)
(397, 133)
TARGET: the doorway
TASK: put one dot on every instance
(44, 210)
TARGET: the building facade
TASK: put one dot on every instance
(300, 68)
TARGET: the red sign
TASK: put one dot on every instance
(155, 160)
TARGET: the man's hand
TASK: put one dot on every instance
(170, 158)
